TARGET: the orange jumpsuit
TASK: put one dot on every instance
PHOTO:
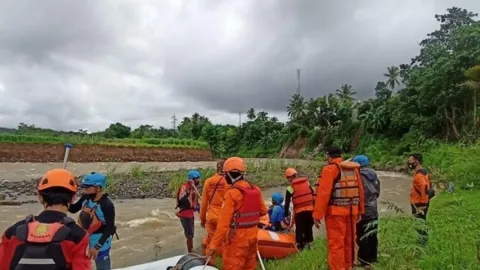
(240, 244)
(213, 192)
(340, 221)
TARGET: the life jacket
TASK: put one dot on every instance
(302, 193)
(248, 215)
(186, 197)
(345, 190)
(42, 248)
(88, 219)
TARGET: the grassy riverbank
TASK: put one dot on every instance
(454, 229)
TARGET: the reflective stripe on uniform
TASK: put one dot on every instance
(36, 261)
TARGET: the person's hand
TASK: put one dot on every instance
(202, 223)
(421, 210)
(317, 223)
(359, 218)
(197, 207)
(93, 253)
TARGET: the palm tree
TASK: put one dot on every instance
(346, 93)
(251, 114)
(382, 92)
(262, 116)
(296, 106)
(393, 73)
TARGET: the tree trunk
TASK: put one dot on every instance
(452, 120)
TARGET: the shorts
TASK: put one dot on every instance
(188, 226)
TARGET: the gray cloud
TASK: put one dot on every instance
(84, 64)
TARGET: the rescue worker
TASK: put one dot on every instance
(340, 200)
(276, 213)
(50, 240)
(367, 227)
(301, 194)
(214, 189)
(97, 217)
(187, 202)
(237, 224)
(420, 194)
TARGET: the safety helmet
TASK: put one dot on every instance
(277, 197)
(290, 172)
(58, 178)
(234, 164)
(94, 179)
(362, 160)
(193, 174)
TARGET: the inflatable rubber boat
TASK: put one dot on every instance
(275, 245)
(182, 262)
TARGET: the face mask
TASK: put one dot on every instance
(412, 165)
(91, 196)
(228, 179)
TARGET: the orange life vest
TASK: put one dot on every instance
(42, 249)
(248, 215)
(302, 193)
(88, 220)
(345, 190)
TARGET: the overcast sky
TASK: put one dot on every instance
(85, 64)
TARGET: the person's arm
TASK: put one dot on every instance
(324, 190)
(5, 253)
(80, 260)
(205, 199)
(108, 210)
(288, 197)
(224, 220)
(361, 193)
(75, 207)
(379, 188)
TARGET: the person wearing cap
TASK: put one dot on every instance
(50, 240)
(97, 217)
(367, 227)
(301, 194)
(340, 201)
(187, 202)
(276, 213)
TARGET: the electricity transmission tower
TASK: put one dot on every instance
(174, 122)
(298, 81)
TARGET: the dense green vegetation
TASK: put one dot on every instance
(428, 104)
(452, 243)
(75, 139)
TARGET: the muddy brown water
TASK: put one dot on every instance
(148, 228)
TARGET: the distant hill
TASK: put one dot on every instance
(5, 130)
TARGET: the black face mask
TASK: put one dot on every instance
(412, 165)
(90, 196)
(228, 179)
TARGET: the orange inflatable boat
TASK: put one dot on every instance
(275, 245)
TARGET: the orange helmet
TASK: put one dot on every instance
(58, 178)
(234, 164)
(290, 172)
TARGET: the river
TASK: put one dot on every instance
(148, 228)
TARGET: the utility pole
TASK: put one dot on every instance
(298, 81)
(239, 119)
(174, 122)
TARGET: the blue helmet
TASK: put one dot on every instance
(94, 179)
(193, 174)
(362, 160)
(277, 197)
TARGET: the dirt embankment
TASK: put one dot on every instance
(40, 153)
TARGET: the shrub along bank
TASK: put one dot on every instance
(453, 223)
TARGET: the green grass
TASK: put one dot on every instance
(454, 227)
(146, 142)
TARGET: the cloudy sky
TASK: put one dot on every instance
(85, 64)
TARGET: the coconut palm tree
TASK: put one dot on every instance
(393, 73)
(296, 106)
(251, 114)
(345, 93)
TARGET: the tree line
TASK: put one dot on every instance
(432, 97)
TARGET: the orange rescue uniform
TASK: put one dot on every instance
(419, 191)
(240, 242)
(340, 220)
(213, 192)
